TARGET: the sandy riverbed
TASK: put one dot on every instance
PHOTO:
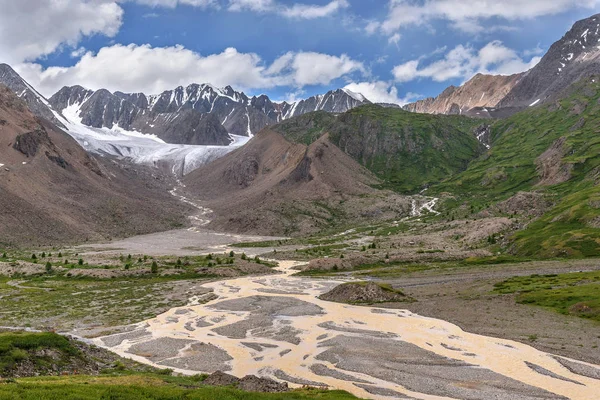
(276, 326)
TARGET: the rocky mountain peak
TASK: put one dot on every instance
(37, 103)
(574, 56)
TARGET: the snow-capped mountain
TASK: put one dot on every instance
(204, 114)
(180, 129)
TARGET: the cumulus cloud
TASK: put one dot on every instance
(297, 10)
(30, 29)
(310, 68)
(468, 15)
(381, 92)
(465, 61)
(150, 69)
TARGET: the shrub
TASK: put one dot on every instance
(231, 254)
(48, 267)
(244, 257)
(154, 268)
(33, 257)
(59, 254)
(80, 262)
(3, 255)
(43, 254)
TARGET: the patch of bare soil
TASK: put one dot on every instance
(363, 292)
(550, 167)
(249, 383)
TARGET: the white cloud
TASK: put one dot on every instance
(150, 69)
(394, 39)
(297, 10)
(381, 92)
(309, 68)
(30, 29)
(465, 61)
(175, 3)
(468, 15)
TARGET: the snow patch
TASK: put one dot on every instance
(139, 147)
(355, 96)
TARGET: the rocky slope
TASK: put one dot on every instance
(37, 103)
(576, 55)
(52, 191)
(278, 186)
(481, 91)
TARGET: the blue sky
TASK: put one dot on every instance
(391, 50)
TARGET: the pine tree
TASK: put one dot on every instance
(154, 268)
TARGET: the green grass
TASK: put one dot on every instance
(142, 387)
(17, 347)
(571, 294)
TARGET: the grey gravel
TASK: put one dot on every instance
(544, 371)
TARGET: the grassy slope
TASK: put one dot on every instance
(510, 167)
(45, 349)
(142, 387)
(406, 150)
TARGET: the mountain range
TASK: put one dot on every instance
(525, 143)
(197, 114)
(568, 60)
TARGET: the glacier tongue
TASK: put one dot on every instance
(142, 148)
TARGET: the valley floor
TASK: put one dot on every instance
(234, 310)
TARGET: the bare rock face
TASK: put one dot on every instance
(571, 58)
(481, 91)
(575, 56)
(28, 143)
(550, 167)
(37, 103)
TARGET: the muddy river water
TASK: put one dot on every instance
(276, 326)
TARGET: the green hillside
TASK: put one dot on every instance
(407, 151)
(553, 150)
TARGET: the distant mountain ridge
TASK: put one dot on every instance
(481, 91)
(575, 56)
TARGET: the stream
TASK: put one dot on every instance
(276, 326)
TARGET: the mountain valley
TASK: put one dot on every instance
(201, 243)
